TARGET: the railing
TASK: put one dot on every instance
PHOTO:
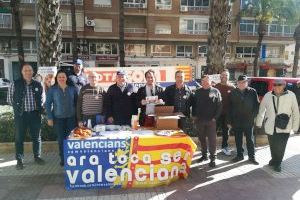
(27, 1)
(6, 26)
(68, 2)
(274, 34)
(135, 5)
(194, 32)
(162, 54)
(69, 28)
(163, 7)
(102, 5)
(135, 30)
(103, 29)
(193, 8)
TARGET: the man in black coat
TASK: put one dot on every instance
(148, 108)
(180, 96)
(120, 101)
(243, 108)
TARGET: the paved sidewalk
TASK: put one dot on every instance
(228, 181)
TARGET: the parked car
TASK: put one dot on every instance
(265, 84)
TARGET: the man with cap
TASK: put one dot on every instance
(243, 108)
(78, 78)
(120, 101)
(279, 102)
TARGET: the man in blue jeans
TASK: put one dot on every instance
(26, 96)
(243, 108)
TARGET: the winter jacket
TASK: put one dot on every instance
(287, 104)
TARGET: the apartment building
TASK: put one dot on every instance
(157, 33)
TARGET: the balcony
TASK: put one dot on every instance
(163, 7)
(68, 2)
(5, 26)
(162, 31)
(135, 30)
(193, 8)
(194, 32)
(135, 5)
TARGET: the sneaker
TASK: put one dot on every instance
(253, 161)
(277, 168)
(39, 161)
(203, 158)
(237, 159)
(19, 165)
(212, 164)
(226, 151)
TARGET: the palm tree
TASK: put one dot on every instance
(49, 32)
(74, 33)
(218, 32)
(121, 34)
(15, 11)
(264, 12)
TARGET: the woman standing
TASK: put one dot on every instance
(60, 106)
(90, 102)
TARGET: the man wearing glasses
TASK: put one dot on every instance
(243, 108)
(279, 102)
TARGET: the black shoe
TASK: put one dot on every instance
(203, 158)
(19, 165)
(62, 163)
(253, 161)
(212, 164)
(277, 168)
(237, 159)
(271, 163)
(39, 161)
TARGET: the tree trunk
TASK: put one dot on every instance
(297, 48)
(217, 38)
(50, 33)
(121, 34)
(74, 33)
(15, 5)
(262, 28)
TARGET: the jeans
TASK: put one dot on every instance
(239, 132)
(278, 143)
(30, 121)
(62, 128)
(207, 129)
(222, 123)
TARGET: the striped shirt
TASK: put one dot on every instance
(90, 101)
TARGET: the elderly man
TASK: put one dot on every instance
(243, 108)
(207, 107)
(78, 77)
(26, 96)
(279, 110)
(120, 101)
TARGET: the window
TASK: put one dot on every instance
(102, 3)
(5, 20)
(194, 26)
(66, 48)
(288, 30)
(184, 51)
(247, 52)
(103, 25)
(163, 4)
(135, 3)
(275, 29)
(67, 2)
(162, 29)
(135, 50)
(28, 45)
(67, 21)
(4, 46)
(103, 48)
(27, 1)
(28, 23)
(202, 51)
(273, 52)
(247, 27)
(195, 4)
(161, 50)
(245, 3)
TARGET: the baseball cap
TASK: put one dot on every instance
(121, 72)
(242, 78)
(279, 81)
(78, 62)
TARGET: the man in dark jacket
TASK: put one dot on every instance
(207, 107)
(148, 108)
(243, 108)
(26, 96)
(120, 102)
(180, 96)
(78, 78)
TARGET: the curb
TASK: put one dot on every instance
(52, 146)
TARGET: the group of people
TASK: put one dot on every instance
(77, 99)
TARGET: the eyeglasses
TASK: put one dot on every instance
(277, 85)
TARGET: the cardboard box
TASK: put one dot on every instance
(166, 119)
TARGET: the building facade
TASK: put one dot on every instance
(157, 33)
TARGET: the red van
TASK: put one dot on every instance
(265, 84)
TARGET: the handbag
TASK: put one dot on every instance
(281, 120)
